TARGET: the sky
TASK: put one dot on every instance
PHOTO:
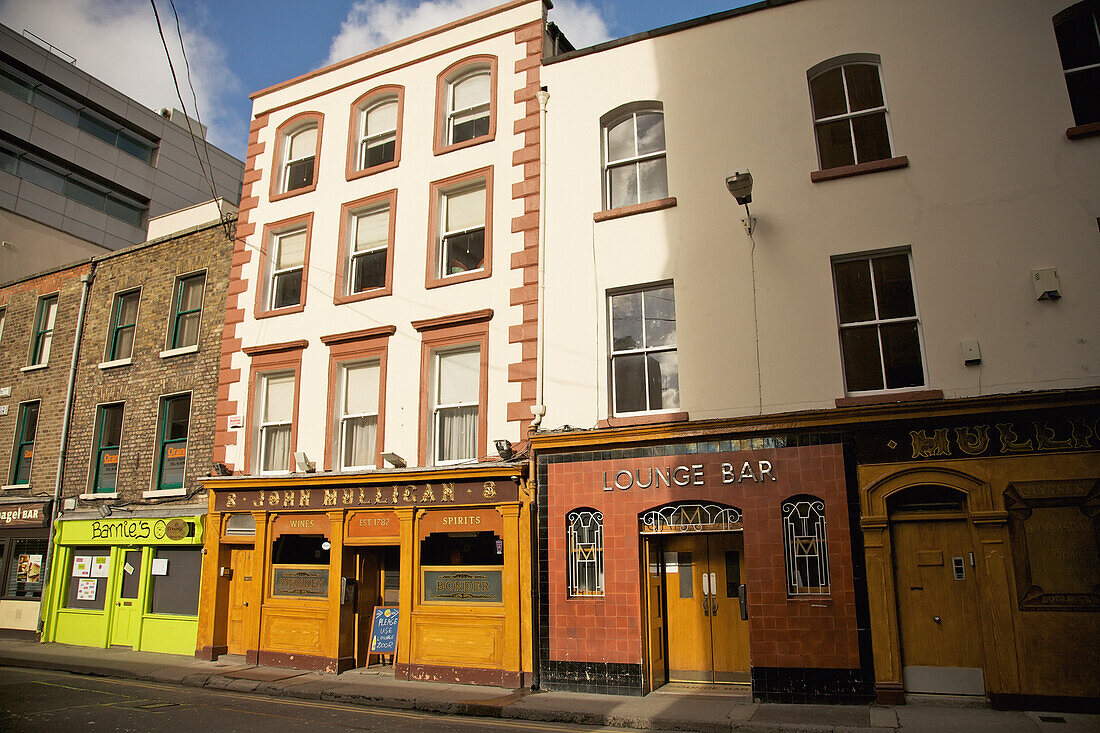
(236, 47)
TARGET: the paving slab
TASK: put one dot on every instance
(927, 717)
(852, 716)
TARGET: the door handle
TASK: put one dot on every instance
(706, 595)
(713, 595)
(936, 619)
(743, 601)
(245, 603)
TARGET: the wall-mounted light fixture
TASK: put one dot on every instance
(302, 463)
(504, 449)
(220, 469)
(740, 187)
(394, 460)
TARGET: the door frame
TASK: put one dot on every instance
(114, 597)
(988, 530)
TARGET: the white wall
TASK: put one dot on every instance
(978, 103)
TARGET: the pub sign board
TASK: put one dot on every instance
(383, 630)
(299, 581)
(24, 515)
(441, 493)
(463, 586)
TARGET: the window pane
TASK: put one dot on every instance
(111, 430)
(124, 344)
(188, 331)
(15, 86)
(107, 470)
(288, 289)
(626, 321)
(136, 147)
(368, 271)
(292, 250)
(623, 181)
(653, 181)
(1084, 95)
(177, 592)
(9, 161)
(464, 252)
(97, 128)
(276, 448)
(30, 423)
(379, 152)
(372, 230)
(855, 299)
(381, 118)
(44, 177)
(470, 125)
(191, 293)
(862, 368)
(894, 287)
(651, 132)
(459, 373)
(50, 314)
(1077, 40)
(303, 144)
(457, 438)
(872, 138)
(471, 91)
(85, 194)
(827, 94)
(52, 105)
(834, 142)
(660, 317)
(177, 414)
(864, 89)
(620, 140)
(465, 209)
(299, 174)
(128, 306)
(123, 211)
(664, 381)
(630, 386)
(901, 353)
(361, 389)
(359, 441)
(279, 400)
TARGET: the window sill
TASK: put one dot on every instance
(168, 353)
(874, 166)
(288, 310)
(158, 493)
(657, 205)
(462, 277)
(443, 149)
(886, 398)
(34, 367)
(116, 363)
(364, 295)
(364, 172)
(112, 495)
(14, 487)
(296, 192)
(825, 599)
(1082, 131)
(658, 418)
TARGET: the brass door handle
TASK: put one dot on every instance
(936, 619)
(714, 605)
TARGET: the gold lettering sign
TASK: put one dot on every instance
(389, 495)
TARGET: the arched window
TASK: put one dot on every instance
(850, 115)
(466, 103)
(1077, 29)
(634, 155)
(805, 546)
(585, 528)
(374, 141)
(297, 147)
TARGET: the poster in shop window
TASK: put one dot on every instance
(82, 566)
(29, 569)
(85, 591)
(383, 630)
(99, 566)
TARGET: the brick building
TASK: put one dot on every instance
(129, 529)
(38, 317)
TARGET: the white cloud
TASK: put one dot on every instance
(374, 23)
(117, 42)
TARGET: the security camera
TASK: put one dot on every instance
(740, 186)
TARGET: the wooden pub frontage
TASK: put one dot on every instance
(295, 566)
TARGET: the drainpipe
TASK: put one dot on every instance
(539, 408)
(86, 279)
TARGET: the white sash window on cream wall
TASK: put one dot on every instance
(455, 390)
(378, 138)
(370, 233)
(468, 113)
(463, 245)
(286, 272)
(276, 416)
(301, 149)
(358, 419)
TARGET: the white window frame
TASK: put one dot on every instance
(344, 416)
(444, 202)
(877, 322)
(353, 255)
(643, 351)
(288, 139)
(264, 428)
(633, 160)
(1094, 15)
(843, 63)
(437, 409)
(453, 113)
(276, 247)
(369, 141)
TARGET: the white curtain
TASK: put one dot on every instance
(292, 250)
(471, 91)
(360, 436)
(381, 118)
(457, 429)
(276, 448)
(303, 144)
(466, 209)
(372, 230)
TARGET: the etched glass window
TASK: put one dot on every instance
(585, 528)
(804, 546)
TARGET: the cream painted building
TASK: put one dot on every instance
(869, 400)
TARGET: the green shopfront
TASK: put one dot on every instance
(130, 582)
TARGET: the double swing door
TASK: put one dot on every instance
(707, 632)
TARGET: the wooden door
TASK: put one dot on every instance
(241, 577)
(687, 612)
(937, 595)
(369, 596)
(729, 632)
(655, 617)
(127, 612)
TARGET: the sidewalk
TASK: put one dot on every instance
(687, 710)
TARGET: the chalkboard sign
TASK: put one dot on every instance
(383, 630)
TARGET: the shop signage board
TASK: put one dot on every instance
(462, 586)
(441, 493)
(299, 581)
(372, 524)
(24, 515)
(383, 630)
(133, 531)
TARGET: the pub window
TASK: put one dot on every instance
(175, 581)
(585, 527)
(24, 568)
(805, 546)
(462, 548)
(240, 525)
(108, 438)
(299, 566)
(88, 573)
(300, 549)
(462, 568)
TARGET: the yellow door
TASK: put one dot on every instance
(369, 596)
(126, 612)
(240, 561)
(655, 615)
(937, 592)
(707, 638)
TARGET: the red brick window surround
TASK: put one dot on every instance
(466, 104)
(460, 228)
(451, 348)
(374, 131)
(294, 163)
(284, 267)
(364, 256)
(274, 379)
(355, 424)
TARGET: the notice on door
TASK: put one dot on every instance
(383, 630)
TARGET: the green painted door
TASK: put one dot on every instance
(127, 611)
